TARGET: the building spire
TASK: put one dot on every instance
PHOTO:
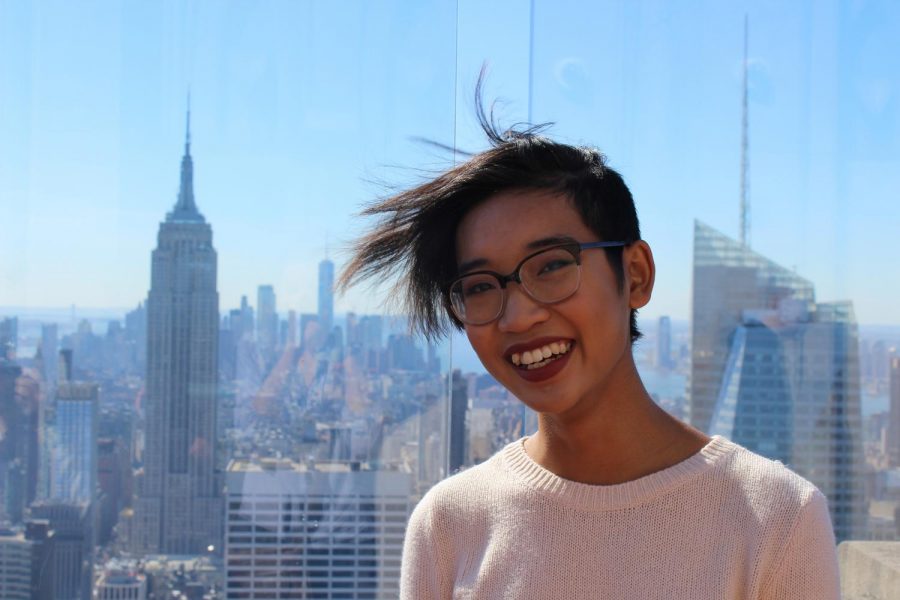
(745, 158)
(185, 208)
(187, 134)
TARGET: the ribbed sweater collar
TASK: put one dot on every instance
(606, 497)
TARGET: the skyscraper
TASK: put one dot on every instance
(71, 563)
(49, 350)
(9, 337)
(247, 320)
(291, 337)
(787, 371)
(16, 565)
(25, 567)
(311, 335)
(314, 530)
(267, 320)
(371, 332)
(728, 279)
(178, 509)
(73, 466)
(19, 456)
(893, 434)
(136, 334)
(326, 296)
(113, 471)
(10, 472)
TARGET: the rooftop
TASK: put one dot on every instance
(260, 465)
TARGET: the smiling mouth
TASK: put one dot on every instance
(540, 356)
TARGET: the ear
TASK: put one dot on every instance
(640, 273)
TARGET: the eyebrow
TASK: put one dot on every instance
(553, 240)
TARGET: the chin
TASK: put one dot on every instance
(551, 399)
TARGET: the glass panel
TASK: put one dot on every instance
(777, 330)
(181, 391)
(181, 388)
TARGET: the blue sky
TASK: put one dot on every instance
(300, 108)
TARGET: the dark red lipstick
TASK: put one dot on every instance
(548, 370)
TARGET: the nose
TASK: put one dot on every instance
(521, 311)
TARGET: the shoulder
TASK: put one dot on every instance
(463, 496)
(767, 499)
(792, 525)
(467, 486)
(766, 482)
(784, 517)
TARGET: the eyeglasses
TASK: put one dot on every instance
(548, 276)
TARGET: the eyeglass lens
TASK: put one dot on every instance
(550, 276)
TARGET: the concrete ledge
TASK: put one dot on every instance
(870, 570)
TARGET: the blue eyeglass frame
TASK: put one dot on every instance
(574, 247)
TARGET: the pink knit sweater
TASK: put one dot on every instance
(722, 524)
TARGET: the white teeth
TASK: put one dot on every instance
(538, 357)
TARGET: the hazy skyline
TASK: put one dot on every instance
(297, 107)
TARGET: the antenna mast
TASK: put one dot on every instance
(745, 158)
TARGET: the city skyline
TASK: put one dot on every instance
(217, 421)
(353, 403)
(276, 160)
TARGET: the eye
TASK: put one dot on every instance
(477, 287)
(555, 264)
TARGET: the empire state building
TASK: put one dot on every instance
(179, 502)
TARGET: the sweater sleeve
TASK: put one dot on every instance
(424, 572)
(808, 568)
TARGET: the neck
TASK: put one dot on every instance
(617, 434)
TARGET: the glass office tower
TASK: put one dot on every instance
(729, 278)
(777, 372)
(73, 468)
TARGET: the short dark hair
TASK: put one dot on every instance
(416, 233)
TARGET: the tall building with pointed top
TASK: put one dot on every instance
(179, 506)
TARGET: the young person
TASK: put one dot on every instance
(533, 248)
